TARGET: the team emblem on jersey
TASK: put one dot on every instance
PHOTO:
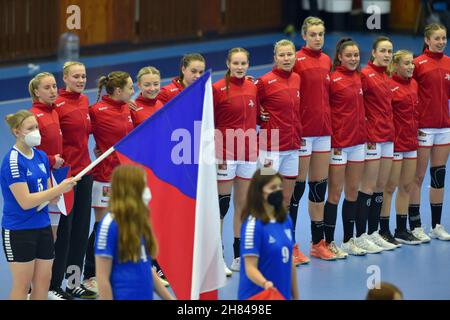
(288, 233)
(422, 134)
(327, 77)
(360, 91)
(251, 103)
(268, 163)
(42, 167)
(371, 146)
(106, 191)
(222, 166)
(303, 143)
(337, 151)
(447, 76)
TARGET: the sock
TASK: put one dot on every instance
(236, 247)
(348, 218)
(436, 212)
(363, 208)
(384, 225)
(329, 219)
(295, 199)
(401, 222)
(317, 231)
(414, 216)
(375, 212)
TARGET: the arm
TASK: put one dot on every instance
(103, 267)
(295, 295)
(253, 273)
(159, 287)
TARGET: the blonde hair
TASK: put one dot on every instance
(35, 82)
(15, 120)
(396, 57)
(282, 43)
(147, 70)
(69, 64)
(311, 21)
(430, 29)
(116, 79)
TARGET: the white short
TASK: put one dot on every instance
(340, 156)
(100, 194)
(54, 219)
(232, 169)
(311, 145)
(399, 156)
(378, 150)
(433, 137)
(285, 162)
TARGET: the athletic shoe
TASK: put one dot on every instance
(440, 233)
(379, 241)
(364, 242)
(389, 238)
(340, 254)
(298, 257)
(351, 248)
(406, 237)
(91, 284)
(420, 234)
(58, 294)
(321, 251)
(81, 292)
(236, 264)
(228, 272)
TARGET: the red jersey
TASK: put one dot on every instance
(73, 113)
(432, 73)
(50, 130)
(377, 103)
(234, 109)
(405, 101)
(111, 121)
(279, 95)
(314, 70)
(347, 108)
(145, 108)
(170, 91)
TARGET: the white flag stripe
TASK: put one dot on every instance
(207, 269)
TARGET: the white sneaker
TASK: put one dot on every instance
(379, 241)
(340, 254)
(53, 295)
(228, 272)
(364, 243)
(236, 264)
(91, 284)
(440, 233)
(420, 234)
(351, 248)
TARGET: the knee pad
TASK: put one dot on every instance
(437, 177)
(317, 190)
(224, 204)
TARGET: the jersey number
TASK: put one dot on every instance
(40, 186)
(285, 254)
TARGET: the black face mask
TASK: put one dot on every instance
(276, 199)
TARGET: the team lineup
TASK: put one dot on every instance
(363, 132)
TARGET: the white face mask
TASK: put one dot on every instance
(33, 138)
(146, 196)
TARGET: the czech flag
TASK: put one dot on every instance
(176, 147)
(65, 203)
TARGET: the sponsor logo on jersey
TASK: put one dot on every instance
(268, 163)
(272, 239)
(222, 166)
(40, 115)
(337, 79)
(395, 89)
(102, 108)
(60, 104)
(301, 58)
(423, 61)
(371, 75)
(106, 191)
(422, 134)
(272, 81)
(303, 143)
(174, 89)
(337, 151)
(29, 173)
(371, 146)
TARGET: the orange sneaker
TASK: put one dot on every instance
(298, 257)
(321, 251)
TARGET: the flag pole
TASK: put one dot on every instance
(84, 171)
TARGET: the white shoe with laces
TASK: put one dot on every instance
(379, 241)
(420, 234)
(351, 248)
(440, 233)
(364, 243)
(236, 264)
(91, 284)
(228, 272)
(338, 252)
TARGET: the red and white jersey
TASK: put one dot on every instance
(347, 108)
(170, 91)
(145, 108)
(377, 103)
(235, 110)
(73, 113)
(50, 130)
(279, 95)
(111, 121)
(314, 70)
(405, 103)
(432, 73)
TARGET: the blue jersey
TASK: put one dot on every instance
(129, 280)
(272, 243)
(35, 172)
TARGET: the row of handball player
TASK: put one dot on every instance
(367, 132)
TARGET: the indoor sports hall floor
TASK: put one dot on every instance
(421, 272)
